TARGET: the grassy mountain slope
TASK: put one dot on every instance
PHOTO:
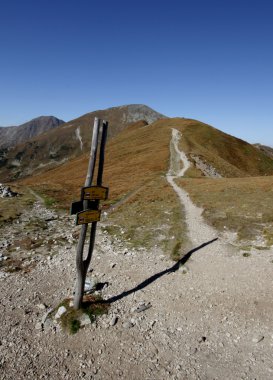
(231, 156)
(135, 166)
(69, 140)
(265, 149)
(141, 152)
(136, 163)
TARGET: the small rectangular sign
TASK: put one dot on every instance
(78, 206)
(88, 216)
(95, 192)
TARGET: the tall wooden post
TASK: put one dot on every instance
(81, 263)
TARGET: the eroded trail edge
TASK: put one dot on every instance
(198, 230)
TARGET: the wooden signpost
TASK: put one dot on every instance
(87, 209)
(95, 192)
(88, 216)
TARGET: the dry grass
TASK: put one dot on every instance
(12, 208)
(231, 157)
(243, 205)
(136, 163)
(153, 217)
(60, 144)
(137, 160)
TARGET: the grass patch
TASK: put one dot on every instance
(49, 202)
(92, 307)
(176, 255)
(153, 217)
(242, 205)
(36, 224)
(12, 208)
(16, 265)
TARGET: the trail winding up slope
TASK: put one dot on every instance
(199, 232)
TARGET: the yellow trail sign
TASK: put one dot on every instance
(95, 193)
(88, 216)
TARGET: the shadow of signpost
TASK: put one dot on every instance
(156, 276)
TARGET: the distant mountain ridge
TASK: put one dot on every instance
(140, 155)
(11, 136)
(54, 149)
(68, 140)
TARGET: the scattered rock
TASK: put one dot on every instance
(44, 318)
(207, 169)
(84, 320)
(60, 312)
(113, 320)
(38, 326)
(143, 307)
(258, 339)
(6, 192)
(41, 306)
(127, 325)
(90, 285)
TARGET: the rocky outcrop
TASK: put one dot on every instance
(207, 169)
(265, 149)
(6, 192)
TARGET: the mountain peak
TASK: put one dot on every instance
(11, 136)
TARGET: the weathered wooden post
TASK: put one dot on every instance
(87, 209)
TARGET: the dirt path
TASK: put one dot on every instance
(209, 319)
(36, 196)
(199, 232)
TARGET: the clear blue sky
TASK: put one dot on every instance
(207, 60)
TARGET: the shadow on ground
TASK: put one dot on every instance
(156, 276)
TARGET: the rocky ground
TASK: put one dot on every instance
(207, 319)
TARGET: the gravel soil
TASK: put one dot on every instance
(208, 319)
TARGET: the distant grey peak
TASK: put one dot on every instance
(11, 136)
(135, 112)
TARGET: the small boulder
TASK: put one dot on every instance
(60, 312)
(84, 320)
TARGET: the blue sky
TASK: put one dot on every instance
(207, 60)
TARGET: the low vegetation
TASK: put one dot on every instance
(11, 209)
(148, 211)
(151, 218)
(71, 320)
(242, 205)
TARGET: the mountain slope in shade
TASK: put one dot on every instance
(11, 136)
(69, 140)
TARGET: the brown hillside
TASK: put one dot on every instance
(136, 163)
(133, 158)
(135, 166)
(231, 156)
(265, 149)
(70, 140)
(141, 153)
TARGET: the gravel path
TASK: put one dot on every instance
(198, 231)
(208, 319)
